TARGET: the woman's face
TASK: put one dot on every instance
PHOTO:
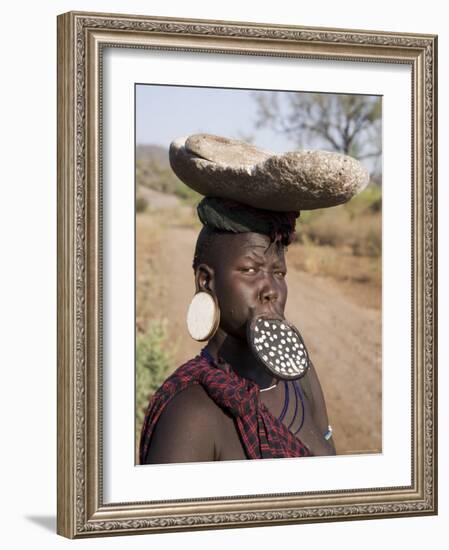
(248, 279)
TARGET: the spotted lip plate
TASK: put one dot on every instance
(280, 348)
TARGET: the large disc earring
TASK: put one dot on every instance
(203, 316)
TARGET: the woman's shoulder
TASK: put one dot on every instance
(186, 429)
(192, 404)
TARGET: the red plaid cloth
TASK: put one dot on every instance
(263, 435)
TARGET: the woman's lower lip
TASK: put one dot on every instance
(268, 315)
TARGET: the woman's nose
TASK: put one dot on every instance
(268, 291)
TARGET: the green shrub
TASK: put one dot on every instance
(368, 200)
(187, 194)
(152, 174)
(153, 360)
(141, 204)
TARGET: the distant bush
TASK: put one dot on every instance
(141, 204)
(152, 174)
(367, 241)
(369, 200)
(153, 360)
(187, 194)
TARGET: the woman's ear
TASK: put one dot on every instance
(204, 278)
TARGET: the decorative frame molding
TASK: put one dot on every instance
(81, 38)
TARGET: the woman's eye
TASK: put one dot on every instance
(250, 270)
(281, 274)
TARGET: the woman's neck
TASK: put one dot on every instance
(238, 354)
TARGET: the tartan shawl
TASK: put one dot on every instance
(262, 434)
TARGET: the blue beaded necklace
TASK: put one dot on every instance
(298, 399)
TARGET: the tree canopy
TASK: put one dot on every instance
(349, 124)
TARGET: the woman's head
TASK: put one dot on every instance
(246, 272)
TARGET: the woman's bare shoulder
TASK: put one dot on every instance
(187, 428)
(193, 402)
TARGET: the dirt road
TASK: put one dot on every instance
(343, 338)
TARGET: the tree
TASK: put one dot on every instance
(349, 124)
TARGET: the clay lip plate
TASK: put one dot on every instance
(251, 335)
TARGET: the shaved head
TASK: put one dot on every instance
(210, 242)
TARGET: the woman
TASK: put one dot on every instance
(228, 403)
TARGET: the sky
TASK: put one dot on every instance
(164, 113)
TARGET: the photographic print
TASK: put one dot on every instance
(331, 271)
(246, 248)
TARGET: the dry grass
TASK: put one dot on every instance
(344, 244)
(339, 263)
(340, 228)
(359, 277)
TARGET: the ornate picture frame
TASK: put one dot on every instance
(83, 39)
